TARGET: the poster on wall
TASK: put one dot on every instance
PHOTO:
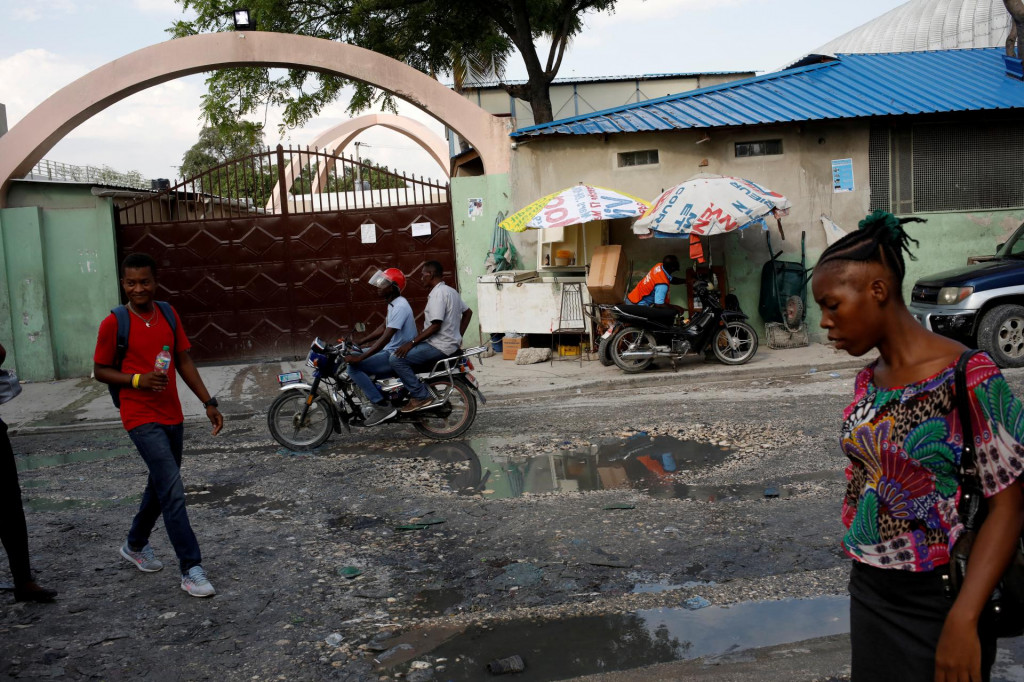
(368, 233)
(842, 175)
(476, 208)
(421, 229)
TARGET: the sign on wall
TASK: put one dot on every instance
(842, 175)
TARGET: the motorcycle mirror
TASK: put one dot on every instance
(360, 327)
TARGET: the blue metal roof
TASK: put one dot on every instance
(852, 86)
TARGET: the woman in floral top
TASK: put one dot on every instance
(902, 436)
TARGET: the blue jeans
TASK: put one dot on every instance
(376, 365)
(421, 355)
(160, 446)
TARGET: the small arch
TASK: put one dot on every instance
(337, 138)
(28, 141)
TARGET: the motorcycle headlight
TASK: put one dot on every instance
(950, 295)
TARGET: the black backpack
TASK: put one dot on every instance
(124, 322)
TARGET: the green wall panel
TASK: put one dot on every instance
(26, 281)
(473, 235)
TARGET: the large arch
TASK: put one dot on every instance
(337, 138)
(28, 141)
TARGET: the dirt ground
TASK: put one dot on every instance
(749, 514)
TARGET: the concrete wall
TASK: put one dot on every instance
(473, 235)
(60, 269)
(802, 172)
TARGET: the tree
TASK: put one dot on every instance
(422, 33)
(378, 177)
(230, 140)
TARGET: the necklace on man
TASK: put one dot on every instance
(150, 322)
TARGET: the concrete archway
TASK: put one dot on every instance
(28, 141)
(334, 140)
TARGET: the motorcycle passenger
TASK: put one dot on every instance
(398, 329)
(446, 317)
(652, 290)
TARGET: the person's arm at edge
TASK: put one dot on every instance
(467, 315)
(959, 649)
(190, 375)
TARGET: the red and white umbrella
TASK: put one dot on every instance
(711, 204)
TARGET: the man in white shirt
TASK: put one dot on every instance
(445, 319)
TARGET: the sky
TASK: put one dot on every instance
(45, 46)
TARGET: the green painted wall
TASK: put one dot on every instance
(29, 318)
(945, 242)
(60, 269)
(473, 235)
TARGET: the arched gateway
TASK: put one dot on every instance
(28, 141)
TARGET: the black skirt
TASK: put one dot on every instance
(896, 618)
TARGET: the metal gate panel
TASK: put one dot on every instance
(254, 285)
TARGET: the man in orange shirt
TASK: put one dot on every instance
(653, 288)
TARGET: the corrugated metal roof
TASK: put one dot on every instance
(853, 86)
(570, 80)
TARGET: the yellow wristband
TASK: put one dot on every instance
(135, 380)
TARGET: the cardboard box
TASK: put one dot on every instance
(607, 279)
(510, 347)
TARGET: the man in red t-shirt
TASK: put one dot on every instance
(151, 413)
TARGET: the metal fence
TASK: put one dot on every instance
(102, 175)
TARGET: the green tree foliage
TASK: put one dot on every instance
(378, 177)
(434, 36)
(251, 177)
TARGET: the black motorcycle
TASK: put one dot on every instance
(305, 415)
(650, 332)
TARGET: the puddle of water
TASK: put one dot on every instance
(643, 463)
(227, 496)
(35, 483)
(557, 650)
(30, 462)
(437, 602)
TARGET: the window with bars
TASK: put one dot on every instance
(946, 167)
(758, 148)
(642, 158)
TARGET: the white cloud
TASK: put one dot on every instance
(26, 14)
(30, 76)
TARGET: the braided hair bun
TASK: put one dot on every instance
(880, 239)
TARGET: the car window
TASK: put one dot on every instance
(1014, 246)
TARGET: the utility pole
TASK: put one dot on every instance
(359, 159)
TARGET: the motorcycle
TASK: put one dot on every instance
(650, 332)
(305, 415)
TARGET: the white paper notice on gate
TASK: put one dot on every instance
(421, 229)
(368, 232)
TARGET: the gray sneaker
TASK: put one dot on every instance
(144, 559)
(195, 583)
(375, 414)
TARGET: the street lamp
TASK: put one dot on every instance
(242, 20)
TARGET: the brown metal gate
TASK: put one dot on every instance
(260, 276)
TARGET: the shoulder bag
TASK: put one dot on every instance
(1004, 613)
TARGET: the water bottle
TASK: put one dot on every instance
(163, 361)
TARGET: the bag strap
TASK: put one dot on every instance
(124, 322)
(970, 509)
(967, 467)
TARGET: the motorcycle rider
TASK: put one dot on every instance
(652, 290)
(445, 318)
(398, 329)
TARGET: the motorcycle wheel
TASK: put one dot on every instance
(283, 420)
(452, 419)
(632, 338)
(604, 352)
(735, 344)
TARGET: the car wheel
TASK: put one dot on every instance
(1001, 335)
